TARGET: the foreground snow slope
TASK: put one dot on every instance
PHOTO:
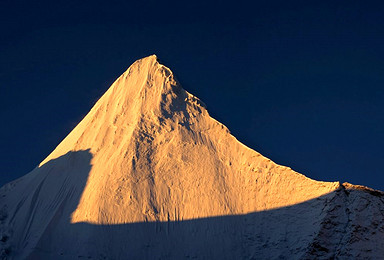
(149, 174)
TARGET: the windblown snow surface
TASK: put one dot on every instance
(148, 174)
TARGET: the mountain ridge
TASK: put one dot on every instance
(149, 152)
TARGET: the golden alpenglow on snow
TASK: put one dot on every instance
(148, 174)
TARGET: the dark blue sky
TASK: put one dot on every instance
(302, 82)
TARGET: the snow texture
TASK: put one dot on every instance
(148, 174)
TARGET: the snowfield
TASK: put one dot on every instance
(148, 174)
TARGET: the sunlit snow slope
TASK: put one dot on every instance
(148, 174)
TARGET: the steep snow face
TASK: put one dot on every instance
(158, 155)
(149, 174)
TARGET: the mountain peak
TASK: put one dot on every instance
(147, 127)
(148, 165)
(144, 74)
(146, 62)
(152, 57)
(146, 92)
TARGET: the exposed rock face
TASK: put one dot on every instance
(148, 174)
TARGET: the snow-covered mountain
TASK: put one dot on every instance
(148, 174)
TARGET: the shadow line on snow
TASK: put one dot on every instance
(271, 233)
